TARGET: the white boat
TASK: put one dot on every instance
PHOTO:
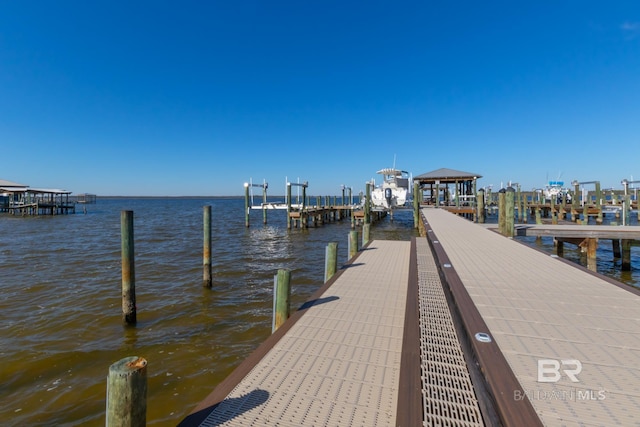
(555, 190)
(393, 191)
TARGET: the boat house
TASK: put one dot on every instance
(447, 187)
(20, 199)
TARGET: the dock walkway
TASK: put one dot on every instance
(543, 310)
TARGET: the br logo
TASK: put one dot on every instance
(551, 370)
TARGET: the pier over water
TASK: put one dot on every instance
(459, 327)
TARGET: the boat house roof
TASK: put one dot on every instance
(445, 175)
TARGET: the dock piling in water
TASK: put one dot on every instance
(127, 393)
(281, 298)
(353, 243)
(128, 269)
(206, 253)
(331, 260)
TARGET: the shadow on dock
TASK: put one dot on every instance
(228, 409)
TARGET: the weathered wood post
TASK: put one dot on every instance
(501, 212)
(353, 243)
(366, 230)
(264, 202)
(206, 252)
(288, 205)
(367, 204)
(330, 260)
(520, 204)
(509, 211)
(554, 212)
(599, 203)
(525, 207)
(417, 197)
(615, 247)
(281, 298)
(559, 247)
(592, 248)
(626, 254)
(575, 202)
(128, 268)
(481, 213)
(437, 193)
(127, 393)
(246, 204)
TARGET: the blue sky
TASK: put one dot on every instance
(197, 97)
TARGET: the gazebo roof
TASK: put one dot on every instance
(6, 184)
(446, 175)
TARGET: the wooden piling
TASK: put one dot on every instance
(592, 247)
(127, 393)
(353, 243)
(615, 247)
(330, 260)
(367, 204)
(366, 230)
(246, 204)
(128, 268)
(289, 205)
(510, 217)
(281, 298)
(481, 213)
(626, 254)
(206, 252)
(417, 196)
(501, 212)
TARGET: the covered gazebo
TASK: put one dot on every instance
(447, 187)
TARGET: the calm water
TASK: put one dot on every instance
(60, 306)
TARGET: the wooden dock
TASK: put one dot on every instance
(449, 329)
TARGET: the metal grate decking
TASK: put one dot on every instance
(448, 395)
(339, 363)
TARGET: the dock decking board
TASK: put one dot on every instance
(538, 307)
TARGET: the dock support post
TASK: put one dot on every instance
(510, 211)
(289, 205)
(128, 268)
(353, 243)
(417, 197)
(599, 203)
(592, 247)
(246, 204)
(559, 247)
(127, 393)
(330, 260)
(264, 203)
(626, 254)
(501, 212)
(281, 298)
(367, 204)
(615, 247)
(206, 252)
(481, 215)
(366, 229)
